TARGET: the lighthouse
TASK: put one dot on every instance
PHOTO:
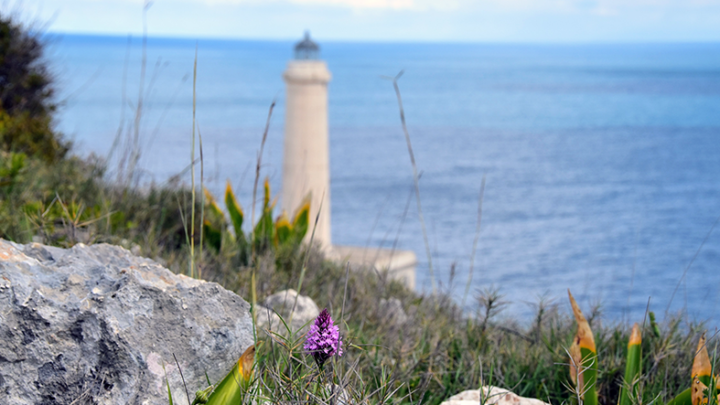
(306, 164)
(306, 161)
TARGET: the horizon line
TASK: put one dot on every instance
(384, 41)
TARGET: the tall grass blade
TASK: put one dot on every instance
(305, 260)
(202, 203)
(257, 176)
(416, 180)
(182, 377)
(697, 252)
(167, 383)
(475, 242)
(192, 174)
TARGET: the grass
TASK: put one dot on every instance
(438, 352)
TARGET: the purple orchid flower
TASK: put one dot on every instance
(323, 339)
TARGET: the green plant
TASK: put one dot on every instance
(234, 387)
(583, 359)
(280, 234)
(12, 167)
(629, 392)
(703, 388)
(26, 94)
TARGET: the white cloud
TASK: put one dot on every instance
(356, 4)
(603, 8)
(387, 4)
(591, 7)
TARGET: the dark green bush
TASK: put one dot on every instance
(26, 95)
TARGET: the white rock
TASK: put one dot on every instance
(282, 302)
(392, 311)
(492, 396)
(337, 395)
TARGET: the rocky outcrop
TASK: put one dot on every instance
(282, 303)
(96, 325)
(490, 395)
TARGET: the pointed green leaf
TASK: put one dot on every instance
(236, 383)
(266, 198)
(633, 367)
(283, 229)
(702, 368)
(236, 213)
(213, 236)
(167, 382)
(301, 221)
(587, 360)
(684, 398)
(264, 231)
(214, 212)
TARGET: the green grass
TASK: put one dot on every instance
(438, 352)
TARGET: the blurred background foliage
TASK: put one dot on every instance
(26, 95)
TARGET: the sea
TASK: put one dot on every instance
(600, 162)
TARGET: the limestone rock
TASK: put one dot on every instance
(96, 324)
(492, 395)
(392, 311)
(282, 302)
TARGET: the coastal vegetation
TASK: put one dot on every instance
(50, 195)
(26, 95)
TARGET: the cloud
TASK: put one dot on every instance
(603, 8)
(381, 4)
(602, 4)
(356, 4)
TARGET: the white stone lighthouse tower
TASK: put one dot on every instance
(306, 164)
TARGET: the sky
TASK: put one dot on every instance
(389, 20)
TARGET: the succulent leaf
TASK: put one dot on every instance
(699, 392)
(236, 383)
(301, 220)
(588, 356)
(283, 229)
(702, 368)
(213, 236)
(235, 210)
(683, 398)
(633, 366)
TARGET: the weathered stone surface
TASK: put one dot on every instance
(492, 396)
(282, 302)
(96, 324)
(392, 311)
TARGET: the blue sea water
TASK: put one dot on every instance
(602, 161)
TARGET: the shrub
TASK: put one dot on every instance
(26, 95)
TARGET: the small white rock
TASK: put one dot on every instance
(492, 396)
(282, 302)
